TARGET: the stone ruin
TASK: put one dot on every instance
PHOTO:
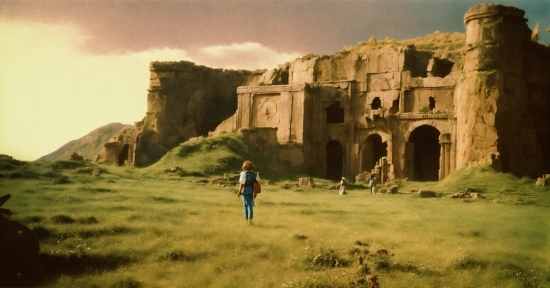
(394, 111)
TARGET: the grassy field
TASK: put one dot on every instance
(140, 227)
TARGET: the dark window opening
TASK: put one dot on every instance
(376, 103)
(417, 62)
(335, 114)
(432, 102)
(394, 106)
(374, 150)
(335, 160)
(426, 153)
(441, 67)
(123, 156)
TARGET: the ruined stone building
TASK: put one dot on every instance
(393, 110)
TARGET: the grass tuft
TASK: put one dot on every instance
(62, 219)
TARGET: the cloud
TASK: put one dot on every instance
(53, 90)
(247, 55)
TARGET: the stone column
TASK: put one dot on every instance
(493, 61)
(446, 161)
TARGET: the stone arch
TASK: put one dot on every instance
(422, 153)
(442, 125)
(373, 150)
(335, 160)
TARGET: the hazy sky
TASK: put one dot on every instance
(68, 67)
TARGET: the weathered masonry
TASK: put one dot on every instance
(392, 110)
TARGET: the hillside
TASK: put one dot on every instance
(218, 155)
(444, 45)
(87, 146)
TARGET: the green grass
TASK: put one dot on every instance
(141, 227)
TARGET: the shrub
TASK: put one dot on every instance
(88, 220)
(68, 164)
(326, 258)
(62, 219)
(61, 179)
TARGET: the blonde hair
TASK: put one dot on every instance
(247, 165)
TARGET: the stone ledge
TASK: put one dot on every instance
(270, 89)
(415, 116)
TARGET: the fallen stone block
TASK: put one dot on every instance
(427, 194)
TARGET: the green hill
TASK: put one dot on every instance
(88, 146)
(218, 155)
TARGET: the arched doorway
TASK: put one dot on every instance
(423, 151)
(123, 156)
(372, 152)
(335, 160)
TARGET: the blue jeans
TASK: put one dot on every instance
(248, 203)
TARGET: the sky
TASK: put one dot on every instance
(68, 67)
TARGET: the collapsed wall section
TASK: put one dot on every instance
(184, 100)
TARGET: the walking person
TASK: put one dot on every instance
(246, 180)
(372, 179)
(342, 186)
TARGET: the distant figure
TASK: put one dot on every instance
(372, 179)
(246, 181)
(342, 186)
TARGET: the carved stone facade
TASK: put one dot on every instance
(403, 113)
(393, 110)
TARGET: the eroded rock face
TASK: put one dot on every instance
(184, 100)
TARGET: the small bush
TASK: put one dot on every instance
(299, 236)
(51, 174)
(128, 282)
(68, 164)
(61, 179)
(163, 199)
(62, 219)
(178, 255)
(15, 175)
(468, 263)
(326, 258)
(117, 230)
(32, 219)
(8, 163)
(43, 233)
(88, 220)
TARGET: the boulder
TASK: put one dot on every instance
(308, 182)
(427, 194)
(542, 181)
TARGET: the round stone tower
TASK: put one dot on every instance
(491, 98)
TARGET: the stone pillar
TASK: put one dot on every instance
(445, 167)
(442, 156)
